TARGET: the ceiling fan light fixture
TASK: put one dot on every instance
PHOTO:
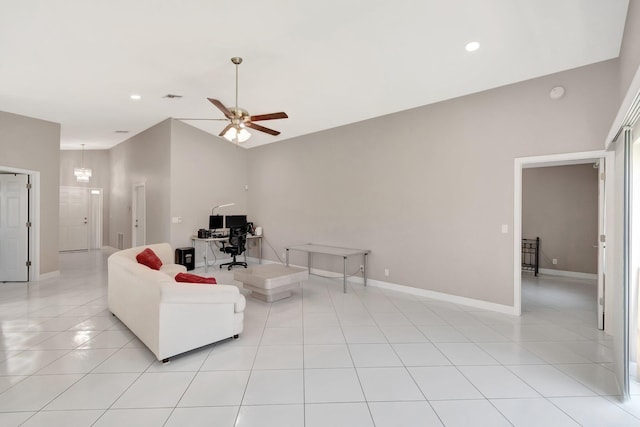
(237, 134)
(231, 134)
(243, 135)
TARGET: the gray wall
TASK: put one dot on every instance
(99, 163)
(630, 49)
(428, 189)
(33, 144)
(186, 172)
(144, 158)
(206, 171)
(560, 205)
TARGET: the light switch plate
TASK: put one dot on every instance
(505, 228)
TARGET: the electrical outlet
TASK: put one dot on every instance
(554, 261)
(361, 268)
(386, 272)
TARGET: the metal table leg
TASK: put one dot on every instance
(344, 274)
(364, 270)
(206, 252)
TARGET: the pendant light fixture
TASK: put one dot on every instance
(82, 174)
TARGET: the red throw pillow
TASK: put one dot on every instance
(193, 278)
(150, 259)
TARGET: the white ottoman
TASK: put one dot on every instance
(270, 282)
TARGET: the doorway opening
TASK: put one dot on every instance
(95, 218)
(33, 235)
(14, 227)
(138, 215)
(80, 218)
(562, 160)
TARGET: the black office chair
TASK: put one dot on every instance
(235, 246)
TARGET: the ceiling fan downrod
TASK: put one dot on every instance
(237, 61)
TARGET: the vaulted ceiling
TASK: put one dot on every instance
(326, 63)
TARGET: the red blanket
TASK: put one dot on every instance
(193, 278)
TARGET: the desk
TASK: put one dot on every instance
(345, 253)
(211, 240)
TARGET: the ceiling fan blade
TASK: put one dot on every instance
(221, 107)
(272, 116)
(191, 118)
(262, 128)
(229, 126)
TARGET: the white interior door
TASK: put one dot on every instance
(95, 219)
(14, 232)
(74, 219)
(139, 215)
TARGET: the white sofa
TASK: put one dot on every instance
(167, 316)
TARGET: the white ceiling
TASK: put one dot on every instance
(326, 63)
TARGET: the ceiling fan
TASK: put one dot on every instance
(240, 119)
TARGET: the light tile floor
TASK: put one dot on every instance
(320, 358)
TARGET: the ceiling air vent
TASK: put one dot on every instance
(172, 96)
(122, 131)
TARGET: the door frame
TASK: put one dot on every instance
(34, 217)
(521, 163)
(15, 187)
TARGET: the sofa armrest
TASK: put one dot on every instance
(184, 293)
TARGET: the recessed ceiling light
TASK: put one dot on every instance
(472, 46)
(136, 97)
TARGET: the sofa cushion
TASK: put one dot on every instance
(150, 259)
(173, 269)
(193, 278)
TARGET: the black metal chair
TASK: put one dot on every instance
(235, 246)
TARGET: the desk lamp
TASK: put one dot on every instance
(221, 206)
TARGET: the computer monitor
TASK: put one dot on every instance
(216, 222)
(235, 220)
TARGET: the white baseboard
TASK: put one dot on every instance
(45, 276)
(440, 296)
(563, 273)
(218, 261)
